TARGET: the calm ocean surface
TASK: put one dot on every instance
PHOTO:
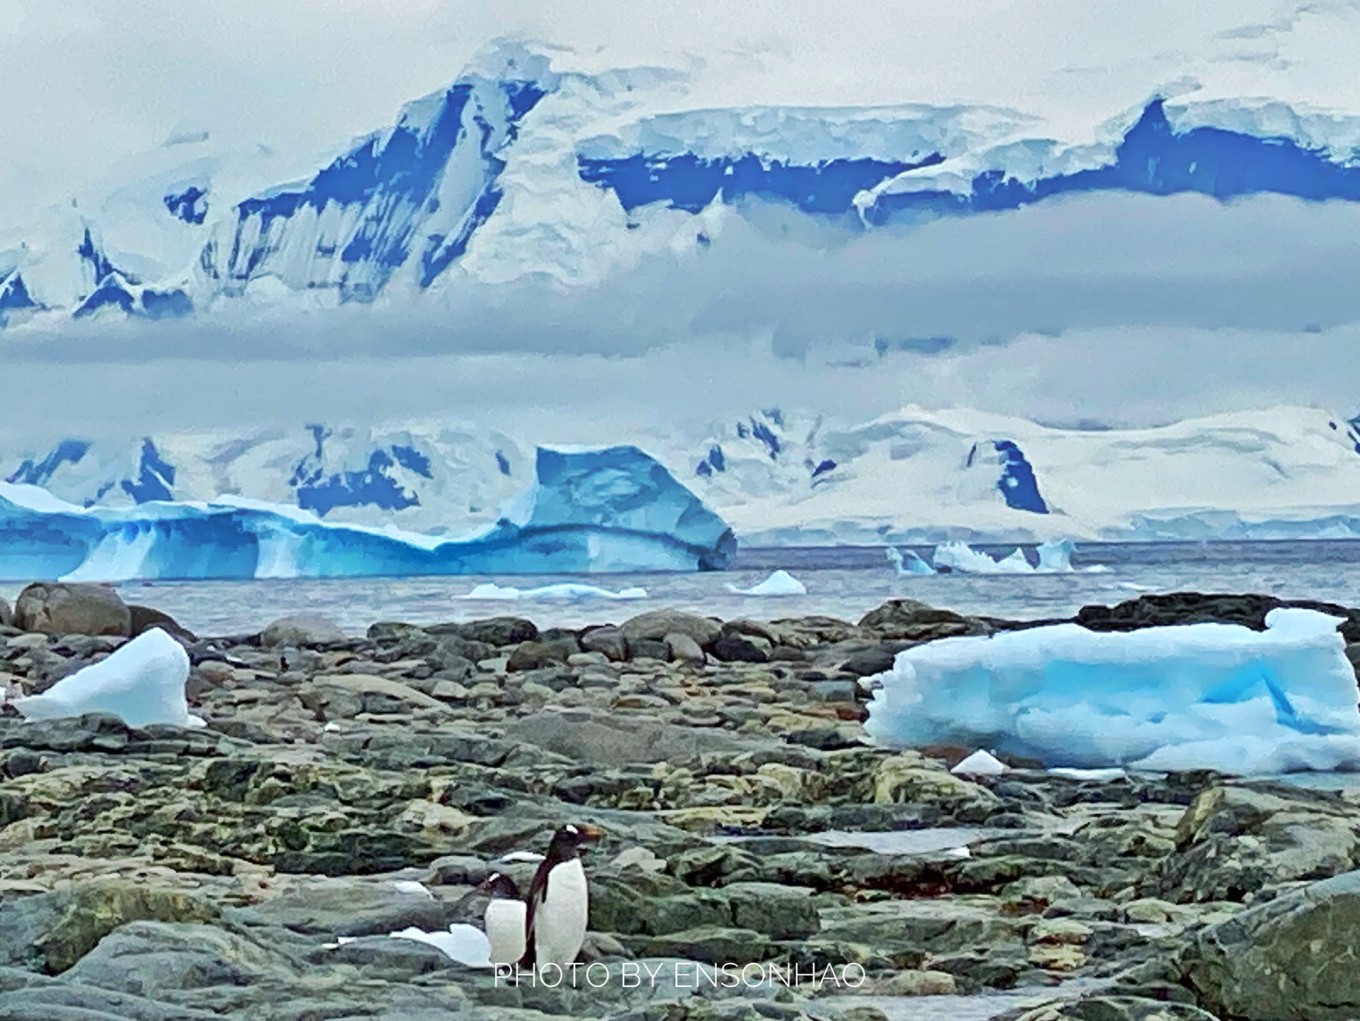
(841, 582)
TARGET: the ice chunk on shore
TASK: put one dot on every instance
(1201, 696)
(142, 682)
(908, 562)
(980, 763)
(562, 591)
(780, 583)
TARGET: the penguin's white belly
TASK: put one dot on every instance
(505, 930)
(560, 921)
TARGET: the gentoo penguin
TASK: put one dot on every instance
(559, 901)
(504, 918)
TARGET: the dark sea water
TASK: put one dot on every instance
(842, 582)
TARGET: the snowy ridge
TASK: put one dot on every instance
(777, 477)
(520, 168)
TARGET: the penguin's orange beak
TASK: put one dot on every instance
(591, 832)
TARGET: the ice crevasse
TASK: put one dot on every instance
(1200, 696)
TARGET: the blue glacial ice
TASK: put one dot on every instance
(590, 510)
(1053, 557)
(908, 563)
(960, 558)
(142, 682)
(1202, 696)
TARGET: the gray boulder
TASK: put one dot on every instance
(1289, 959)
(52, 931)
(498, 631)
(302, 629)
(6, 617)
(60, 608)
(1112, 1008)
(607, 640)
(655, 625)
(916, 621)
(604, 740)
(683, 649)
(144, 618)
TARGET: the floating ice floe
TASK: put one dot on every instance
(1053, 558)
(780, 583)
(909, 562)
(1200, 696)
(980, 763)
(569, 590)
(960, 558)
(142, 682)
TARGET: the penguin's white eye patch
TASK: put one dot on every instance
(573, 830)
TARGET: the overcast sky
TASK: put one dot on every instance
(1156, 320)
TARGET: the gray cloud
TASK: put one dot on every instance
(1122, 308)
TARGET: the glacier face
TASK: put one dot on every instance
(775, 476)
(518, 170)
(592, 510)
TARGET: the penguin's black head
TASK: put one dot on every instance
(570, 840)
(499, 886)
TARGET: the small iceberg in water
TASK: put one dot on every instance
(780, 583)
(908, 562)
(960, 558)
(564, 591)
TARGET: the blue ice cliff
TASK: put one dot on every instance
(589, 510)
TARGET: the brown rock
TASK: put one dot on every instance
(60, 608)
(144, 618)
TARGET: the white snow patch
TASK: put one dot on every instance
(410, 886)
(529, 856)
(142, 682)
(463, 943)
(1202, 696)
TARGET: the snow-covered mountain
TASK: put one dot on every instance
(782, 477)
(518, 170)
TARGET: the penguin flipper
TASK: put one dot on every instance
(538, 893)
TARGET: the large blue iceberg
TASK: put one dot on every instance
(1200, 696)
(590, 510)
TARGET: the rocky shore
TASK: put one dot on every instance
(352, 787)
